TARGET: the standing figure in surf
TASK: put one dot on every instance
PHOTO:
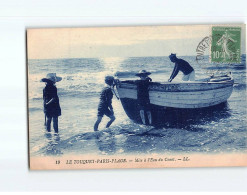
(52, 108)
(105, 104)
(143, 95)
(183, 66)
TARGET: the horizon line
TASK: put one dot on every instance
(108, 57)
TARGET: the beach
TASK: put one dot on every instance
(83, 80)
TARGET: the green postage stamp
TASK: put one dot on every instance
(225, 46)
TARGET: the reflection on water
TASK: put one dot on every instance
(52, 142)
(106, 143)
(197, 131)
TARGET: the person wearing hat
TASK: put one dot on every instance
(183, 66)
(51, 101)
(143, 95)
(105, 103)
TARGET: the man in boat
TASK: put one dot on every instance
(183, 66)
(105, 104)
(143, 95)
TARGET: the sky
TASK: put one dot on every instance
(55, 43)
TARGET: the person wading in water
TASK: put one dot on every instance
(143, 95)
(52, 108)
(105, 104)
(183, 66)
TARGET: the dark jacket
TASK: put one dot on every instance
(52, 109)
(143, 91)
(183, 66)
(106, 96)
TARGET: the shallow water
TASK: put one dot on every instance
(223, 130)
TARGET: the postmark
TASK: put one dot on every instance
(225, 44)
(203, 57)
(202, 47)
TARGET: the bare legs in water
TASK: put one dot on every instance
(142, 114)
(96, 125)
(55, 124)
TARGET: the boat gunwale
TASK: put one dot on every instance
(181, 83)
(153, 97)
(228, 83)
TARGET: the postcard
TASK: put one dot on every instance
(137, 97)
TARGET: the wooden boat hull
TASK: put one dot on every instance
(168, 116)
(177, 97)
(189, 99)
(181, 95)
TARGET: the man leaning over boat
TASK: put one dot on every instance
(184, 67)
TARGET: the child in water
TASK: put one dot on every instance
(143, 95)
(105, 104)
(51, 101)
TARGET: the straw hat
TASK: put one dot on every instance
(51, 77)
(143, 72)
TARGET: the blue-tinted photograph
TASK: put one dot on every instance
(124, 91)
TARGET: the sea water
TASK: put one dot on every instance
(79, 90)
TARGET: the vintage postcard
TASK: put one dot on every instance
(137, 97)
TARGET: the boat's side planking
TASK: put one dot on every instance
(179, 87)
(189, 95)
(194, 99)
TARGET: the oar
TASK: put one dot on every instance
(115, 93)
(45, 120)
(114, 84)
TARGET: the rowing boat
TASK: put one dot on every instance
(198, 94)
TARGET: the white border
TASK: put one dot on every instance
(16, 16)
